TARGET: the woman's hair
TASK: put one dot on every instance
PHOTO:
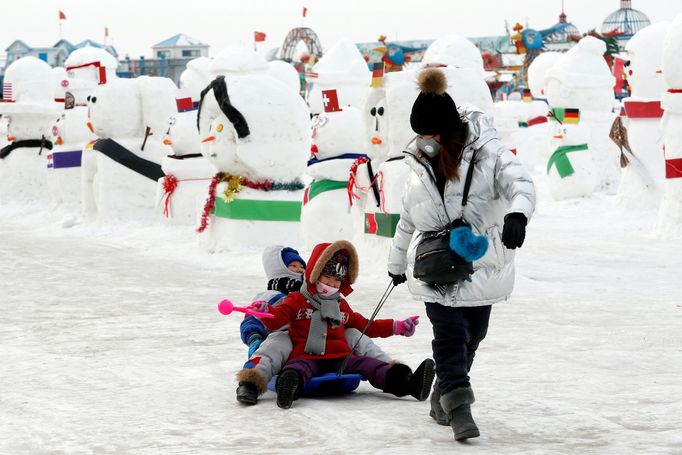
(452, 146)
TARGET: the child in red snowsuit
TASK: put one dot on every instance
(317, 317)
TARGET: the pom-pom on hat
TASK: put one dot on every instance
(290, 255)
(434, 111)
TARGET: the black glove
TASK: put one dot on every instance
(514, 231)
(284, 285)
(398, 279)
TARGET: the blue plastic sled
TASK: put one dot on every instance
(327, 384)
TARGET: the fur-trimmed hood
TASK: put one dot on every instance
(323, 252)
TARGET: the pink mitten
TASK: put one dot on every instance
(406, 327)
(259, 305)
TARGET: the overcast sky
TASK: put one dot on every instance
(136, 25)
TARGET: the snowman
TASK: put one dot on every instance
(337, 141)
(86, 68)
(534, 136)
(341, 68)
(379, 183)
(256, 131)
(285, 73)
(130, 117)
(196, 77)
(187, 172)
(30, 110)
(670, 213)
(516, 122)
(581, 80)
(643, 176)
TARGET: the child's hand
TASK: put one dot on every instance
(406, 327)
(259, 305)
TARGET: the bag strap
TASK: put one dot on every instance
(467, 182)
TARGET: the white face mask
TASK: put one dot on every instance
(325, 290)
(430, 147)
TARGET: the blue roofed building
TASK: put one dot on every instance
(170, 58)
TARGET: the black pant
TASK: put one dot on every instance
(457, 333)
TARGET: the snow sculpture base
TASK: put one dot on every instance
(23, 175)
(193, 179)
(254, 219)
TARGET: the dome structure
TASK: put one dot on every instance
(625, 22)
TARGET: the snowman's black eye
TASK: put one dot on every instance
(373, 111)
(94, 99)
(88, 98)
(380, 111)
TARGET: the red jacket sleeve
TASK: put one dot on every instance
(284, 312)
(378, 328)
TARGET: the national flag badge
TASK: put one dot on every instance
(330, 100)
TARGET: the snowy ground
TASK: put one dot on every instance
(110, 342)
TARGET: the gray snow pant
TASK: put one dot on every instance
(277, 347)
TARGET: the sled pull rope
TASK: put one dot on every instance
(383, 300)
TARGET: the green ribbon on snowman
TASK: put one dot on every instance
(560, 159)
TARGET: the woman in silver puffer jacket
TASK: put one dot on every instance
(501, 201)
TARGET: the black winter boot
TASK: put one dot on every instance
(247, 393)
(437, 412)
(398, 380)
(421, 380)
(288, 384)
(457, 405)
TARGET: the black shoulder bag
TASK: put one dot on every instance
(435, 262)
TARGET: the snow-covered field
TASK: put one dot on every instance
(110, 343)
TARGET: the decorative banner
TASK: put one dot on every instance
(256, 210)
(673, 168)
(643, 109)
(377, 75)
(565, 115)
(65, 159)
(321, 186)
(527, 97)
(330, 100)
(561, 161)
(383, 225)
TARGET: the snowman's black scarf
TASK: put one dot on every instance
(125, 157)
(28, 143)
(219, 87)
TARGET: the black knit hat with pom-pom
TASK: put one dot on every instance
(434, 111)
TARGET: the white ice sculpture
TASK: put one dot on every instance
(337, 141)
(670, 214)
(643, 177)
(86, 68)
(130, 117)
(30, 110)
(343, 69)
(256, 131)
(581, 79)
